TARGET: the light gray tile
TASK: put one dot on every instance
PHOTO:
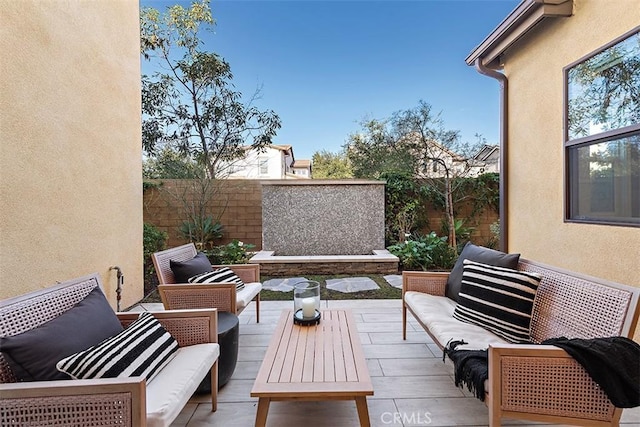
(236, 390)
(414, 387)
(452, 411)
(411, 367)
(396, 337)
(380, 327)
(394, 351)
(364, 338)
(247, 354)
(374, 367)
(382, 317)
(631, 416)
(254, 340)
(241, 414)
(246, 370)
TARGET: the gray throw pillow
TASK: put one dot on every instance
(33, 355)
(477, 254)
(183, 270)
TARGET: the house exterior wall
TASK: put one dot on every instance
(70, 169)
(536, 155)
(249, 167)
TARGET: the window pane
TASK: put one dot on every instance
(604, 91)
(605, 181)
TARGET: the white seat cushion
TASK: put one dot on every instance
(436, 313)
(172, 387)
(244, 296)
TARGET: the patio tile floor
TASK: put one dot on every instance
(412, 385)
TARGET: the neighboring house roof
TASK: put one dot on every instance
(486, 152)
(301, 164)
(436, 145)
(522, 19)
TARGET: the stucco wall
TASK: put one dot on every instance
(536, 188)
(323, 217)
(71, 181)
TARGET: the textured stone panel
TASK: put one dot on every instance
(331, 219)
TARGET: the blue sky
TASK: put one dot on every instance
(323, 66)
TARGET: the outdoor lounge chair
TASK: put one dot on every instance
(188, 295)
(123, 401)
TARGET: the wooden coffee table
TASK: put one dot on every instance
(323, 362)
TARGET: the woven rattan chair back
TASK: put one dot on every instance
(26, 312)
(161, 261)
(183, 296)
(571, 306)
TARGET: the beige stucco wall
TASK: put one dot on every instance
(536, 189)
(70, 172)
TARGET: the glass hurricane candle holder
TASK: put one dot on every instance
(306, 303)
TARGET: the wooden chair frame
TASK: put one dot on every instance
(182, 295)
(541, 382)
(104, 401)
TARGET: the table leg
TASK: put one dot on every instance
(263, 410)
(363, 411)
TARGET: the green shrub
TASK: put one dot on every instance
(153, 240)
(424, 252)
(202, 231)
(235, 252)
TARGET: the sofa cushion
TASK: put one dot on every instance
(477, 254)
(172, 388)
(498, 299)
(142, 349)
(182, 270)
(83, 325)
(436, 313)
(219, 275)
(244, 296)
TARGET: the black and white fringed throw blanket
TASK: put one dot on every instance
(471, 367)
(613, 363)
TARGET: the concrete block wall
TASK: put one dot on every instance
(238, 201)
(242, 217)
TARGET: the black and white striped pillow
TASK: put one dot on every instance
(220, 275)
(142, 349)
(498, 299)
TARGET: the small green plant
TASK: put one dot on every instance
(202, 231)
(424, 252)
(494, 240)
(153, 240)
(235, 252)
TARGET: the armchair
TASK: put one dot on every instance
(221, 296)
(105, 401)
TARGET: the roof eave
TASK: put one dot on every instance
(523, 18)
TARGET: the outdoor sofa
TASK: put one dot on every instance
(70, 308)
(532, 381)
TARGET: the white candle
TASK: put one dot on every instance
(308, 307)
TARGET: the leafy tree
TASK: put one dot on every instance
(190, 104)
(170, 164)
(373, 151)
(328, 165)
(604, 91)
(415, 141)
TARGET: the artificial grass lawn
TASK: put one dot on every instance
(386, 291)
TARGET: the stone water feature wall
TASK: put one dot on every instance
(322, 217)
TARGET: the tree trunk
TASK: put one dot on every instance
(451, 220)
